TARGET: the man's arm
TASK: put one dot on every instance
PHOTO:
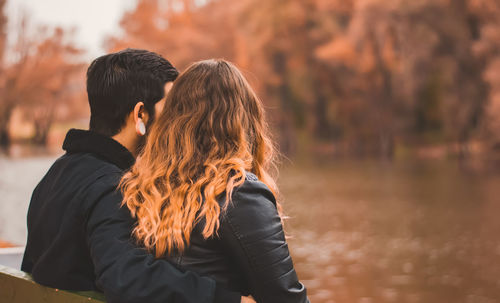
(128, 274)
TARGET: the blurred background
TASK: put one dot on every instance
(387, 113)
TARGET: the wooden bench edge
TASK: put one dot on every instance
(19, 286)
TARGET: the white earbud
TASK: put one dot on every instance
(140, 128)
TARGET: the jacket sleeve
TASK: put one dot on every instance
(252, 232)
(128, 274)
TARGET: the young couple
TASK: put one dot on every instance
(193, 219)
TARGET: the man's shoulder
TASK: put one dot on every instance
(89, 162)
(100, 185)
(93, 172)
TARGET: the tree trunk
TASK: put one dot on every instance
(41, 136)
(287, 143)
(322, 125)
(42, 130)
(4, 139)
(5, 115)
(385, 102)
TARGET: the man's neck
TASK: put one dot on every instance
(127, 142)
(83, 141)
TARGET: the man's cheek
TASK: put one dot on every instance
(159, 106)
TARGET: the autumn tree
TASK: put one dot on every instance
(180, 30)
(487, 48)
(364, 74)
(39, 78)
(54, 74)
(4, 137)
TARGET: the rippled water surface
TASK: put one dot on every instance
(367, 232)
(361, 231)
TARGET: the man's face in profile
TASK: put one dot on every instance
(161, 103)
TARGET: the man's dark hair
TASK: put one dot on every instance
(117, 81)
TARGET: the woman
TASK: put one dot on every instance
(201, 190)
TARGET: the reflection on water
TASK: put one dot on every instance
(367, 232)
(361, 232)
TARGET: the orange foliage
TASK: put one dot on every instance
(363, 74)
(42, 79)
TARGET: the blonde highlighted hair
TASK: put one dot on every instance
(210, 133)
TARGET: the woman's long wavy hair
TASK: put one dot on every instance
(210, 132)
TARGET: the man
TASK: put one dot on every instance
(78, 236)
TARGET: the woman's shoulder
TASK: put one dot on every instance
(249, 176)
(252, 202)
(253, 190)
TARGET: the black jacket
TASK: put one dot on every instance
(79, 237)
(249, 254)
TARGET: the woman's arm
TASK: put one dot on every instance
(252, 232)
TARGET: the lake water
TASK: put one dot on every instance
(360, 231)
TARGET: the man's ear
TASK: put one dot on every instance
(140, 118)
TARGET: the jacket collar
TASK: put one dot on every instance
(86, 141)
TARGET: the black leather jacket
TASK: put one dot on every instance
(250, 254)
